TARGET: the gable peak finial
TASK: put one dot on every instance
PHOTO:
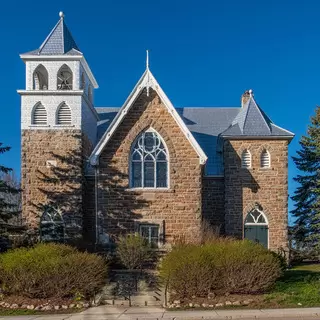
(147, 60)
(61, 14)
(251, 93)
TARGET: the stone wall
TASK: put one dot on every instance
(213, 202)
(266, 186)
(60, 183)
(177, 209)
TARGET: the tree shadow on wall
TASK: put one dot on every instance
(239, 183)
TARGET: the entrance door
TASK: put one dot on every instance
(256, 227)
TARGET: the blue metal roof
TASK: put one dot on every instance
(58, 42)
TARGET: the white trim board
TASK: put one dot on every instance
(146, 81)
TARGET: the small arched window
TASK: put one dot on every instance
(83, 81)
(246, 159)
(64, 78)
(39, 115)
(149, 161)
(64, 115)
(265, 159)
(40, 78)
(90, 93)
(52, 227)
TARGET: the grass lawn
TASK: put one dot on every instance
(299, 287)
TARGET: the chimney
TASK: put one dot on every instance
(245, 97)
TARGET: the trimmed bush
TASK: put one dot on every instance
(132, 250)
(221, 266)
(51, 270)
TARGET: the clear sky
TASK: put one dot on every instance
(203, 53)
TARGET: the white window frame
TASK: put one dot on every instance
(155, 167)
(266, 223)
(242, 159)
(269, 155)
(149, 226)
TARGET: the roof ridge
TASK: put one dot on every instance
(262, 115)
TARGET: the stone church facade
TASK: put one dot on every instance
(147, 167)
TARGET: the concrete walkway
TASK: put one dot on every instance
(152, 313)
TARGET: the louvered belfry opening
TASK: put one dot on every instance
(246, 159)
(64, 115)
(39, 115)
(265, 159)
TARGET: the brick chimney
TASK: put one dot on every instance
(245, 97)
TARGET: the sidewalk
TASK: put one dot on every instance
(152, 313)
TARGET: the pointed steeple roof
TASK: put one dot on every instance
(58, 42)
(251, 121)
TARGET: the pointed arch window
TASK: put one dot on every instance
(52, 227)
(64, 78)
(39, 115)
(64, 115)
(40, 78)
(256, 227)
(265, 159)
(149, 161)
(246, 159)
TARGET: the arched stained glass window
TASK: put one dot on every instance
(149, 161)
(52, 227)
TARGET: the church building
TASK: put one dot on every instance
(94, 173)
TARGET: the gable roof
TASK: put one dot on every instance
(251, 122)
(146, 81)
(58, 42)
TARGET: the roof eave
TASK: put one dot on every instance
(244, 137)
(26, 57)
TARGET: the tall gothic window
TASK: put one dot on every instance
(64, 78)
(149, 161)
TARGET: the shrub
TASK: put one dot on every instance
(221, 266)
(132, 250)
(51, 270)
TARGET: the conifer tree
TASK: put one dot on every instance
(8, 207)
(306, 229)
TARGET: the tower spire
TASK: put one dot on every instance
(147, 60)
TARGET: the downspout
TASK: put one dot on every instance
(96, 180)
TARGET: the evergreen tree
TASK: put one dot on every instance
(9, 207)
(306, 229)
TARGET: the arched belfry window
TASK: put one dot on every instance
(64, 115)
(52, 227)
(39, 115)
(64, 78)
(149, 161)
(246, 159)
(256, 226)
(40, 78)
(265, 159)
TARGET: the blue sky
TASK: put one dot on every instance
(203, 53)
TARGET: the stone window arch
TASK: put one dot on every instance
(40, 78)
(64, 78)
(39, 115)
(246, 161)
(265, 159)
(149, 161)
(256, 226)
(64, 115)
(52, 226)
